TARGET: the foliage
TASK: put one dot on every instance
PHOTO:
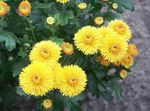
(18, 34)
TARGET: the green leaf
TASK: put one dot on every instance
(42, 5)
(111, 15)
(18, 67)
(126, 3)
(116, 87)
(9, 39)
(59, 41)
(64, 17)
(20, 91)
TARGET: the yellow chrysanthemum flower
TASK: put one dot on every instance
(36, 79)
(87, 40)
(45, 51)
(56, 71)
(67, 48)
(72, 81)
(82, 6)
(127, 61)
(113, 48)
(132, 49)
(99, 20)
(50, 20)
(121, 28)
(116, 64)
(115, 6)
(123, 73)
(24, 8)
(103, 61)
(4, 8)
(47, 103)
(105, 31)
(62, 1)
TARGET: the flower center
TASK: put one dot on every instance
(1, 8)
(120, 29)
(114, 49)
(72, 81)
(45, 54)
(36, 80)
(67, 47)
(88, 39)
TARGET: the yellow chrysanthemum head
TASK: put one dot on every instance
(56, 71)
(62, 1)
(50, 20)
(72, 81)
(105, 31)
(127, 61)
(123, 73)
(87, 40)
(3, 8)
(132, 49)
(116, 64)
(36, 79)
(115, 6)
(67, 48)
(103, 61)
(121, 28)
(113, 48)
(82, 6)
(45, 51)
(47, 104)
(99, 20)
(24, 8)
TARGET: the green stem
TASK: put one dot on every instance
(2, 21)
(31, 29)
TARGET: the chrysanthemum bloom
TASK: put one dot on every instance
(36, 79)
(105, 31)
(72, 81)
(121, 28)
(3, 8)
(113, 48)
(56, 71)
(87, 40)
(132, 49)
(50, 20)
(123, 73)
(24, 8)
(62, 1)
(127, 61)
(47, 103)
(67, 48)
(45, 51)
(115, 6)
(103, 61)
(82, 6)
(99, 20)
(116, 64)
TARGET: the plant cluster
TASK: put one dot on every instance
(57, 51)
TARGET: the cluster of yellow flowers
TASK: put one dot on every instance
(111, 42)
(45, 73)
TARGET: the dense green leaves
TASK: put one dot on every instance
(9, 40)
